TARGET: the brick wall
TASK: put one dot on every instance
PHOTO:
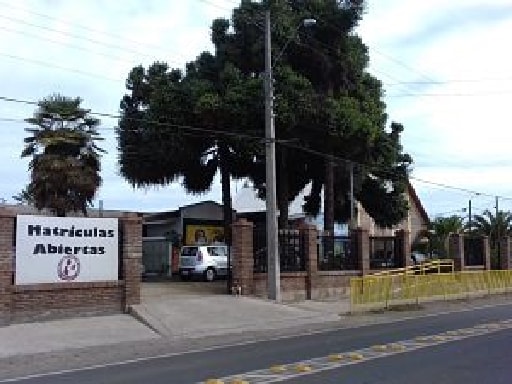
(331, 284)
(321, 285)
(45, 301)
(293, 285)
(6, 239)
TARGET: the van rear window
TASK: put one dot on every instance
(188, 251)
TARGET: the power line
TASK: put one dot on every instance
(490, 93)
(68, 34)
(449, 81)
(53, 66)
(44, 38)
(385, 55)
(403, 64)
(154, 122)
(86, 28)
(288, 143)
(211, 3)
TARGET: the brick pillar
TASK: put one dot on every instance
(242, 256)
(456, 250)
(132, 259)
(310, 234)
(7, 223)
(487, 252)
(362, 241)
(505, 248)
(404, 238)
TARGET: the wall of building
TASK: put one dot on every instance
(203, 211)
(163, 229)
(414, 223)
(417, 222)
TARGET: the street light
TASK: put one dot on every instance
(273, 266)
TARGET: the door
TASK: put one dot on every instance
(155, 257)
(219, 256)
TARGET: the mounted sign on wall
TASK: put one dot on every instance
(63, 249)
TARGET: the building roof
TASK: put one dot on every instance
(247, 201)
(22, 209)
(169, 215)
(417, 202)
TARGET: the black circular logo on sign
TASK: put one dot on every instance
(69, 268)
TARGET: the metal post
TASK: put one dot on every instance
(274, 278)
(498, 234)
(352, 224)
(470, 222)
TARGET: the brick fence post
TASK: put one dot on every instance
(405, 242)
(242, 256)
(362, 240)
(132, 259)
(505, 249)
(487, 252)
(310, 236)
(456, 250)
(7, 223)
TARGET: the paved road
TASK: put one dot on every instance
(449, 362)
(484, 359)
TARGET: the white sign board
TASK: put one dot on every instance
(63, 249)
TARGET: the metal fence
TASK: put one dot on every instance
(336, 253)
(372, 292)
(473, 251)
(292, 252)
(385, 252)
(259, 246)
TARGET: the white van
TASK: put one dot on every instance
(206, 261)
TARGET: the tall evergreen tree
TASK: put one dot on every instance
(189, 126)
(325, 101)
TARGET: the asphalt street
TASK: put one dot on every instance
(450, 361)
(484, 359)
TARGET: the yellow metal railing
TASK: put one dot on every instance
(431, 266)
(377, 292)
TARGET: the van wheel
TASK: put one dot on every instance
(210, 274)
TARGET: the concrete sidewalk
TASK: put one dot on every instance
(177, 313)
(197, 316)
(58, 335)
(168, 311)
(192, 316)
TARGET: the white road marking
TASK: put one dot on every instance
(244, 343)
(324, 363)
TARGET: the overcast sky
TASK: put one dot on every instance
(445, 65)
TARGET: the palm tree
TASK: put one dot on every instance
(441, 229)
(65, 163)
(495, 226)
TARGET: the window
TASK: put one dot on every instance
(189, 251)
(217, 251)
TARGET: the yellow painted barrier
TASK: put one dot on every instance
(431, 266)
(381, 291)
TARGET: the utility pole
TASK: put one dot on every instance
(352, 202)
(273, 265)
(497, 245)
(470, 222)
